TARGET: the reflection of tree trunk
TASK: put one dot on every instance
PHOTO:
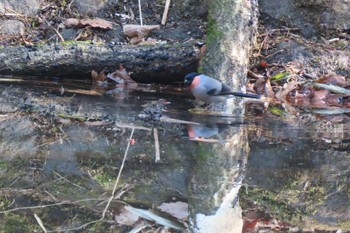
(216, 178)
(163, 63)
(215, 181)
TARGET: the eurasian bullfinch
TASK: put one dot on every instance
(210, 90)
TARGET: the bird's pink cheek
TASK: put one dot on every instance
(195, 82)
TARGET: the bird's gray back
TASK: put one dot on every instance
(212, 85)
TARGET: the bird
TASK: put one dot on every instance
(210, 90)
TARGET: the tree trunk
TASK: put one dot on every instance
(152, 63)
(217, 175)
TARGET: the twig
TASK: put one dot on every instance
(45, 206)
(40, 223)
(119, 174)
(140, 11)
(68, 180)
(280, 30)
(254, 75)
(279, 51)
(176, 121)
(56, 31)
(51, 195)
(165, 13)
(156, 144)
(69, 6)
(131, 126)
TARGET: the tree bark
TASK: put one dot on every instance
(148, 63)
(219, 169)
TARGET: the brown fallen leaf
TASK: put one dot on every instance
(123, 74)
(98, 77)
(282, 94)
(97, 23)
(137, 33)
(126, 217)
(94, 23)
(149, 41)
(71, 22)
(337, 80)
(131, 30)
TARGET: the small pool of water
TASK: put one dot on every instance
(65, 141)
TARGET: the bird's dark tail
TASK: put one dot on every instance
(241, 94)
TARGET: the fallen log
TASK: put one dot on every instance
(148, 63)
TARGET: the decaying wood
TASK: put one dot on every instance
(151, 63)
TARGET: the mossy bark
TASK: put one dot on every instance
(231, 30)
(216, 177)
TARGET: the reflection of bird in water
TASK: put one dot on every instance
(210, 90)
(204, 133)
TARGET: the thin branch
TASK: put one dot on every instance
(165, 13)
(56, 31)
(68, 180)
(140, 11)
(119, 174)
(176, 121)
(156, 144)
(41, 224)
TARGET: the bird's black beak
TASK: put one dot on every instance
(187, 82)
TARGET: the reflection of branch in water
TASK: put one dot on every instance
(84, 200)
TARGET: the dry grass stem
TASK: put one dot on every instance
(55, 30)
(165, 13)
(56, 173)
(176, 121)
(156, 144)
(40, 223)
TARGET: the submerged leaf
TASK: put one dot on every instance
(277, 111)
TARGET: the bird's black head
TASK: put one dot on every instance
(189, 78)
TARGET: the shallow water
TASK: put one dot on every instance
(290, 171)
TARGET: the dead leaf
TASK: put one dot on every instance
(94, 23)
(320, 95)
(71, 22)
(97, 23)
(123, 74)
(131, 30)
(282, 94)
(137, 33)
(126, 217)
(136, 40)
(337, 80)
(101, 77)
